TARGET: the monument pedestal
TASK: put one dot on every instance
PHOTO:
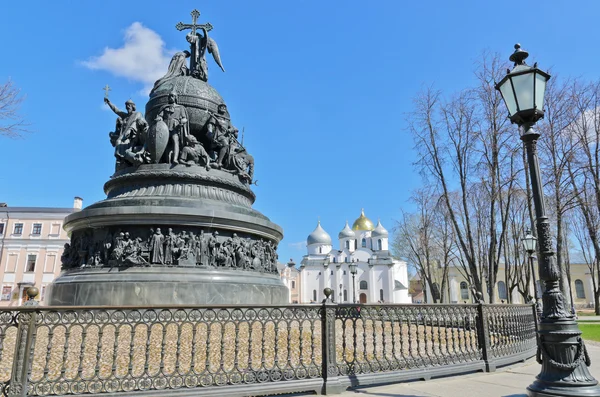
(166, 286)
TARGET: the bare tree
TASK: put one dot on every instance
(422, 238)
(469, 155)
(584, 165)
(12, 123)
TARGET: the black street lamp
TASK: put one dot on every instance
(530, 245)
(353, 270)
(561, 350)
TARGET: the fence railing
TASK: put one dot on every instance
(243, 350)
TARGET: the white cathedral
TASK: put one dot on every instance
(364, 249)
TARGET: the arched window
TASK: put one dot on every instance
(334, 259)
(436, 291)
(345, 295)
(381, 295)
(320, 250)
(355, 243)
(347, 244)
(464, 290)
(364, 243)
(293, 284)
(579, 290)
(379, 245)
(363, 285)
(502, 290)
(314, 295)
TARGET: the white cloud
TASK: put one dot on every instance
(143, 56)
(300, 245)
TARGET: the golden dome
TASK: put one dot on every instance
(363, 223)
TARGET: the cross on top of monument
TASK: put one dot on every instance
(106, 89)
(193, 26)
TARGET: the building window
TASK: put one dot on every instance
(502, 290)
(363, 285)
(1, 228)
(30, 263)
(579, 290)
(347, 244)
(381, 295)
(464, 290)
(320, 250)
(293, 284)
(6, 292)
(334, 259)
(364, 243)
(332, 272)
(37, 229)
(379, 245)
(355, 243)
(345, 295)
(346, 259)
(314, 295)
(18, 230)
(344, 272)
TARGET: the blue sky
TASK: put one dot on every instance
(321, 88)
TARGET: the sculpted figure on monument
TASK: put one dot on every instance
(218, 129)
(194, 153)
(132, 254)
(177, 67)
(156, 247)
(202, 252)
(127, 137)
(67, 256)
(176, 119)
(169, 246)
(213, 248)
(238, 159)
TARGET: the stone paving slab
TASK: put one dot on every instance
(510, 381)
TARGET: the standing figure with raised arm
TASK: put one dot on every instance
(127, 139)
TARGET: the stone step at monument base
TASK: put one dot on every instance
(165, 285)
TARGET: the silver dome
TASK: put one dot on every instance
(318, 236)
(379, 231)
(346, 232)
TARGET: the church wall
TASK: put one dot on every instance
(313, 249)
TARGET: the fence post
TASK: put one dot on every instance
(329, 369)
(19, 378)
(483, 336)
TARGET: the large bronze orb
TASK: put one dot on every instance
(199, 98)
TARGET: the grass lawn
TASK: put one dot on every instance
(590, 331)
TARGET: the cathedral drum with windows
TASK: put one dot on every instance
(379, 277)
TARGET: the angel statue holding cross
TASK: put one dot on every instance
(200, 43)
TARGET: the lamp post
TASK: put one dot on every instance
(530, 244)
(353, 270)
(561, 350)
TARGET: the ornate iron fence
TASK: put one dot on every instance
(242, 350)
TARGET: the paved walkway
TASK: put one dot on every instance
(510, 381)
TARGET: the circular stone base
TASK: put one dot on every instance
(164, 286)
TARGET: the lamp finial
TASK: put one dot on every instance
(519, 56)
